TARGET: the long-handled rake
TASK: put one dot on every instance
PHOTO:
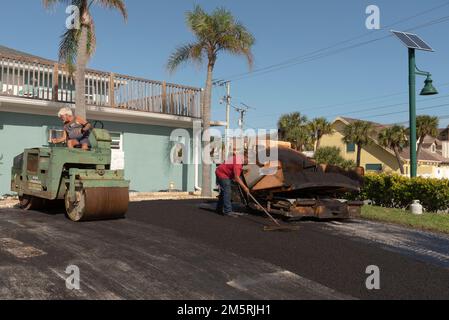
(277, 226)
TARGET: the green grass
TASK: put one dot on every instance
(427, 221)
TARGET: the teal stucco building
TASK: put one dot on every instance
(140, 114)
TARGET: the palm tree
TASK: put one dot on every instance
(79, 45)
(293, 128)
(216, 32)
(425, 126)
(396, 139)
(358, 133)
(319, 127)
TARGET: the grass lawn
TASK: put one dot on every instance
(427, 221)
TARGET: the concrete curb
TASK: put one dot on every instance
(12, 202)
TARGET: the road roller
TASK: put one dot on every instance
(81, 179)
(296, 187)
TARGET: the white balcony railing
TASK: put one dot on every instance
(40, 80)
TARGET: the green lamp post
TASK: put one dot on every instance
(413, 42)
(428, 90)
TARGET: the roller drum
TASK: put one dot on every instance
(98, 204)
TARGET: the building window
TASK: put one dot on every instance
(433, 148)
(117, 151)
(117, 141)
(374, 167)
(350, 147)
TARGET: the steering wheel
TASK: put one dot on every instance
(96, 122)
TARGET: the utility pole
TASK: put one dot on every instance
(227, 98)
(228, 117)
(241, 119)
(228, 104)
(242, 111)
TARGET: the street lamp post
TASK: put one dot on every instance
(412, 102)
(413, 42)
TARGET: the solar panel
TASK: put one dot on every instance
(412, 41)
(419, 42)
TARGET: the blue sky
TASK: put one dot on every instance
(342, 83)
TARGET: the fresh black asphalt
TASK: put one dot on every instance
(174, 250)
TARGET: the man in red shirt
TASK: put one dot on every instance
(229, 171)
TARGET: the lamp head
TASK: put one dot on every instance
(429, 89)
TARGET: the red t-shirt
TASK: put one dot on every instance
(230, 169)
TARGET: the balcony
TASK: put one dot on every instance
(38, 79)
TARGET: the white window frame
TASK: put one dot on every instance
(120, 142)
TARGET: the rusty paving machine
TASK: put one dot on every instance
(82, 179)
(299, 188)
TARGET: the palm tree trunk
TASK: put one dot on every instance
(399, 159)
(80, 75)
(318, 143)
(359, 155)
(206, 190)
(420, 142)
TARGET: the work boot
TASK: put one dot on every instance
(234, 214)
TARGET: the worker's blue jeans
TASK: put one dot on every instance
(224, 201)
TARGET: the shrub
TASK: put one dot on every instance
(332, 156)
(394, 191)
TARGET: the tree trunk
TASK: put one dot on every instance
(318, 143)
(80, 75)
(359, 154)
(420, 142)
(399, 159)
(206, 187)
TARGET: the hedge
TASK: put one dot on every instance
(394, 191)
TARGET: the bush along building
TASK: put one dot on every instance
(140, 114)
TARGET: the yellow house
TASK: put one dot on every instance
(379, 159)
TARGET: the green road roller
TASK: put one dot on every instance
(81, 179)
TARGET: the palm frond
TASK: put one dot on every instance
(50, 3)
(358, 132)
(189, 52)
(198, 22)
(215, 32)
(237, 40)
(68, 48)
(427, 125)
(91, 39)
(115, 4)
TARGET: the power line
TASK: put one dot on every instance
(303, 58)
(406, 111)
(359, 101)
(439, 20)
(312, 58)
(385, 107)
(336, 51)
(339, 104)
(369, 117)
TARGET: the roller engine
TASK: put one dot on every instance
(82, 179)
